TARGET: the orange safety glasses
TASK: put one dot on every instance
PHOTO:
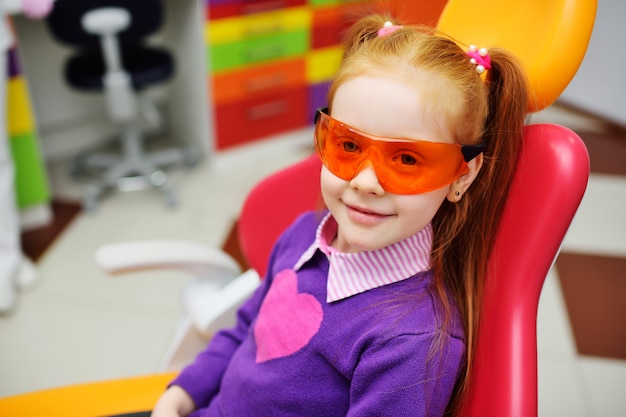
(403, 166)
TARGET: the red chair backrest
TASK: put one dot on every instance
(273, 204)
(549, 183)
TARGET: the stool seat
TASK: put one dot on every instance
(145, 66)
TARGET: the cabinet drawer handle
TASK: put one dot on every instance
(259, 30)
(266, 110)
(265, 82)
(260, 53)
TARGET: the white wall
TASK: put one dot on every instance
(599, 87)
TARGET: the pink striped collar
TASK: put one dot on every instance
(354, 273)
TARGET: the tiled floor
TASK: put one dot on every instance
(80, 325)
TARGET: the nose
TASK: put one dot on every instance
(366, 181)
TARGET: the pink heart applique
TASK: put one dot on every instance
(287, 320)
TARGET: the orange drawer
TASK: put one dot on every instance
(258, 80)
(245, 121)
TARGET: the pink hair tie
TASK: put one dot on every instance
(480, 58)
(387, 29)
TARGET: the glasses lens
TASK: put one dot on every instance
(402, 166)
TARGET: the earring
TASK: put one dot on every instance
(457, 193)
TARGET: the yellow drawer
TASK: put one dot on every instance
(19, 116)
(257, 25)
(321, 64)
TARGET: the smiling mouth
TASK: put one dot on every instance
(365, 216)
(364, 211)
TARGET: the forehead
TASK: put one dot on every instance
(389, 107)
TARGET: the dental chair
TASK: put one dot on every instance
(549, 183)
(111, 56)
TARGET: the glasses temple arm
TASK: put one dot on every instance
(472, 151)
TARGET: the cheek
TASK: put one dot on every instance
(422, 207)
(331, 185)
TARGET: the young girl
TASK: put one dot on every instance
(371, 308)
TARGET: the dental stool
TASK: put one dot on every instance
(113, 58)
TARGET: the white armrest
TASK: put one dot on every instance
(211, 310)
(211, 300)
(199, 260)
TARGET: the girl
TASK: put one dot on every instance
(371, 309)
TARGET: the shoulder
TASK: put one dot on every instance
(403, 354)
(411, 308)
(412, 323)
(308, 220)
(302, 230)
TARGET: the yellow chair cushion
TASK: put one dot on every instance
(90, 400)
(549, 37)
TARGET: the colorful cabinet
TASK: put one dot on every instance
(271, 61)
(32, 190)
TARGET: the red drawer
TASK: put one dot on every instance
(218, 11)
(245, 121)
(241, 7)
(326, 30)
(331, 22)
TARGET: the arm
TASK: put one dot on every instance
(202, 379)
(199, 382)
(175, 402)
(402, 377)
(210, 299)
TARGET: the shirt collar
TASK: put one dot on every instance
(353, 273)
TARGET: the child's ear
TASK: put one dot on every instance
(460, 186)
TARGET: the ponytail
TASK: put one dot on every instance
(465, 231)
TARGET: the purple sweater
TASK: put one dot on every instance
(293, 354)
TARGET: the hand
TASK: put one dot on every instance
(175, 402)
(37, 9)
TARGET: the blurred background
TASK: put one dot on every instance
(238, 104)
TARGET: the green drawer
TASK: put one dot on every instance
(30, 174)
(251, 51)
(324, 2)
(330, 2)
